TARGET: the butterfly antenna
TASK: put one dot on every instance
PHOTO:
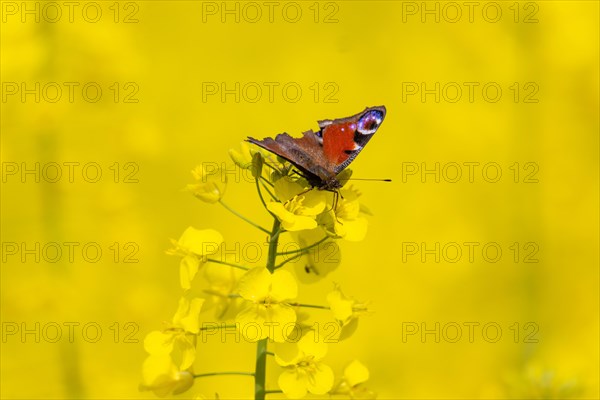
(369, 179)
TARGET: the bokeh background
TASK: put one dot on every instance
(162, 121)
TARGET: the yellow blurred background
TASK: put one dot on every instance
(509, 87)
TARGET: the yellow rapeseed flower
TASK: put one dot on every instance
(297, 209)
(210, 183)
(243, 158)
(194, 245)
(220, 284)
(318, 261)
(162, 377)
(346, 220)
(267, 312)
(180, 335)
(346, 311)
(303, 370)
(352, 384)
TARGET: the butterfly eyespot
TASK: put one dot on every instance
(319, 136)
(368, 123)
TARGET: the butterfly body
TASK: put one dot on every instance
(320, 156)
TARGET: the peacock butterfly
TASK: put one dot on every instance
(320, 156)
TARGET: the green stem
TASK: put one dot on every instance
(212, 260)
(273, 245)
(223, 373)
(273, 391)
(262, 200)
(309, 306)
(281, 264)
(265, 180)
(260, 371)
(268, 191)
(206, 328)
(242, 217)
(269, 165)
(304, 249)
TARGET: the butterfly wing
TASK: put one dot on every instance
(305, 153)
(343, 139)
(323, 154)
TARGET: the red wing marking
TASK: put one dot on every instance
(337, 139)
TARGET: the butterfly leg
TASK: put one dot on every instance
(334, 204)
(336, 200)
(336, 196)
